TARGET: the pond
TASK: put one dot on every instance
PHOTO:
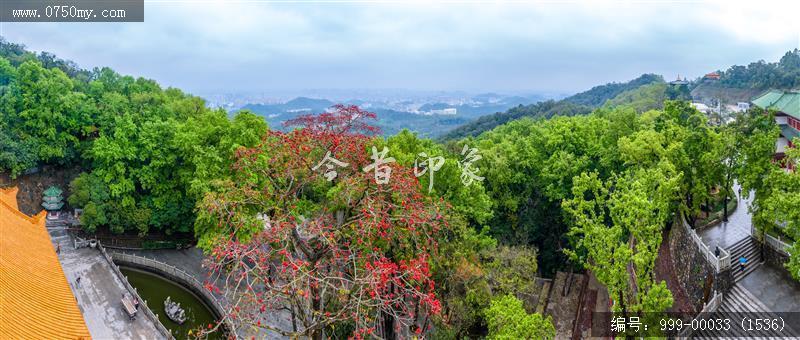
(155, 290)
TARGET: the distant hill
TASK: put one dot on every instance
(598, 95)
(545, 109)
(581, 103)
(291, 108)
(741, 83)
(487, 105)
(392, 121)
(645, 97)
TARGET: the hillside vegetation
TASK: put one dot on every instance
(444, 255)
(578, 104)
(741, 83)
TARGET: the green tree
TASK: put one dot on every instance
(692, 154)
(507, 319)
(616, 227)
(757, 140)
(782, 206)
(470, 201)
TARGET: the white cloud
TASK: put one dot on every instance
(239, 45)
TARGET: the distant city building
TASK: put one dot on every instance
(447, 111)
(742, 106)
(787, 116)
(739, 107)
(701, 107)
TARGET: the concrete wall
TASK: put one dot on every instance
(774, 257)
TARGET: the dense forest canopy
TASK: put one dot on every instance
(784, 74)
(589, 182)
(146, 151)
(645, 92)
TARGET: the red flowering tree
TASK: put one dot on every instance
(339, 253)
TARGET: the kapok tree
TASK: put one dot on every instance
(336, 252)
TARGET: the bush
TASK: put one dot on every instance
(507, 319)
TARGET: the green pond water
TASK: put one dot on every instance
(155, 290)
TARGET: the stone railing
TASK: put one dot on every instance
(135, 293)
(777, 244)
(773, 242)
(180, 274)
(709, 307)
(719, 263)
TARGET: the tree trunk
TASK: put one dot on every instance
(294, 320)
(691, 214)
(725, 209)
(388, 327)
(622, 305)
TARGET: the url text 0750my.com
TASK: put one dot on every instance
(72, 11)
(65, 12)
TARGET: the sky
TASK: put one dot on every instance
(500, 46)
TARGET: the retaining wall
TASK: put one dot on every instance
(692, 269)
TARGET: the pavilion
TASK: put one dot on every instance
(36, 301)
(787, 115)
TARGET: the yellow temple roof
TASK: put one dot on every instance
(36, 301)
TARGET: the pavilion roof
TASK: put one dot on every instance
(36, 301)
(787, 102)
(53, 191)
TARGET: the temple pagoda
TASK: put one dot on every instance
(52, 200)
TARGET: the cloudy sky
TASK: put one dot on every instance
(237, 46)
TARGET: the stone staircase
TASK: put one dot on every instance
(750, 249)
(737, 304)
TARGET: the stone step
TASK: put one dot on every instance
(740, 244)
(752, 253)
(752, 256)
(737, 303)
(750, 297)
(749, 247)
(739, 300)
(750, 267)
(755, 306)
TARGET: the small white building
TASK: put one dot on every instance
(701, 107)
(449, 111)
(743, 106)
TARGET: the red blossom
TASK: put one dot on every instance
(361, 254)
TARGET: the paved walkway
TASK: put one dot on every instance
(99, 293)
(725, 234)
(772, 286)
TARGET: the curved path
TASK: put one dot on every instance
(737, 228)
